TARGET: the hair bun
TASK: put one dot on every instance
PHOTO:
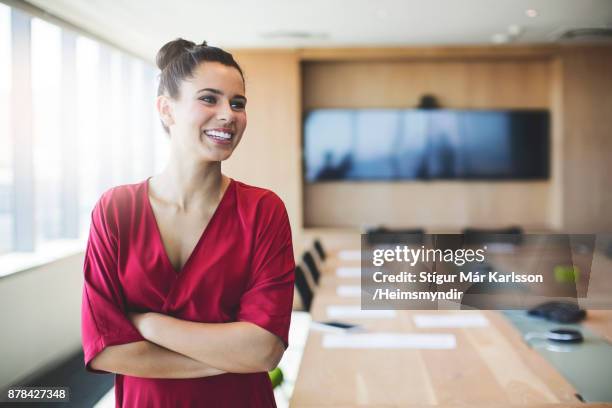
(172, 50)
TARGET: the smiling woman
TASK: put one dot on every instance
(190, 99)
(189, 274)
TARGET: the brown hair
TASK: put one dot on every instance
(177, 60)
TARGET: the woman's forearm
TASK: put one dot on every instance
(149, 360)
(237, 347)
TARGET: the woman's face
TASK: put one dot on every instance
(209, 117)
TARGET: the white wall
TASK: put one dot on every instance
(40, 319)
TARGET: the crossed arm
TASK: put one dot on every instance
(177, 348)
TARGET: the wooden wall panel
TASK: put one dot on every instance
(443, 206)
(508, 52)
(471, 84)
(587, 139)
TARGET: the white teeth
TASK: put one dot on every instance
(216, 133)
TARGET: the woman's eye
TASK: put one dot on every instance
(209, 99)
(238, 105)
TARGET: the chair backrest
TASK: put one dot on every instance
(319, 248)
(510, 235)
(383, 235)
(301, 284)
(312, 266)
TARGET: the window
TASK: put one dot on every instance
(6, 166)
(90, 121)
(91, 125)
(47, 155)
(142, 100)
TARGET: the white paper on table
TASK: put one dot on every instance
(500, 248)
(390, 341)
(348, 291)
(350, 255)
(450, 320)
(355, 312)
(348, 272)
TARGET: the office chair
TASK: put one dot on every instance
(384, 235)
(312, 266)
(319, 248)
(509, 235)
(301, 284)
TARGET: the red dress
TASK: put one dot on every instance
(241, 269)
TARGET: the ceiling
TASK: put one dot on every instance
(142, 26)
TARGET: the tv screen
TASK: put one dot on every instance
(392, 144)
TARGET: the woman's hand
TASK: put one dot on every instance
(147, 359)
(140, 320)
(236, 347)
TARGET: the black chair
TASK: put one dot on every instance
(510, 235)
(301, 284)
(383, 235)
(312, 266)
(319, 248)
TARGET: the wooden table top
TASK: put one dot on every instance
(490, 366)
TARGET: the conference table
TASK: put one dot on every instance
(490, 365)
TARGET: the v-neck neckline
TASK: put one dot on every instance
(202, 235)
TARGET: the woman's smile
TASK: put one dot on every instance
(222, 136)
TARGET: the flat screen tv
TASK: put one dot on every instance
(394, 144)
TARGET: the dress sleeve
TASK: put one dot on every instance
(268, 300)
(103, 319)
